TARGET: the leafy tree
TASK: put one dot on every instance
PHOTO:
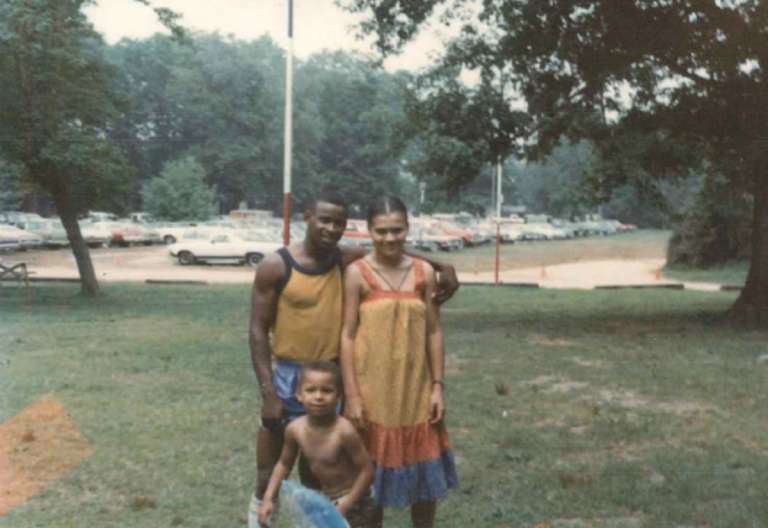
(56, 108)
(553, 185)
(149, 132)
(360, 113)
(662, 86)
(180, 193)
(10, 186)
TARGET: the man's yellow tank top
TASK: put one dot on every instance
(308, 322)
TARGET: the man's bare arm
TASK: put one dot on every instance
(264, 297)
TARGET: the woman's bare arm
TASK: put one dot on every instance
(435, 346)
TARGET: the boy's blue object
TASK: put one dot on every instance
(310, 509)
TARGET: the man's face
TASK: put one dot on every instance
(326, 224)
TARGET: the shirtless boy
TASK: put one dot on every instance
(331, 446)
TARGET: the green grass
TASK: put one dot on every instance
(618, 408)
(731, 274)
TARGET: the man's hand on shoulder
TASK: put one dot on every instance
(447, 283)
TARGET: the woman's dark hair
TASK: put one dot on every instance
(386, 205)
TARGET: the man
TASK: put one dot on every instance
(297, 296)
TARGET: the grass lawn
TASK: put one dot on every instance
(567, 409)
(731, 274)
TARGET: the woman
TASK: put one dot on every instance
(392, 358)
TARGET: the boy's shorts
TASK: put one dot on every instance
(363, 514)
(286, 378)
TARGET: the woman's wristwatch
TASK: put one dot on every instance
(439, 382)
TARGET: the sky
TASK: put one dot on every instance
(318, 25)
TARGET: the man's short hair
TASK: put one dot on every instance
(328, 196)
(327, 367)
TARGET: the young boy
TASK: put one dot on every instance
(332, 447)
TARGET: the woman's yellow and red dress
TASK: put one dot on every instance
(414, 462)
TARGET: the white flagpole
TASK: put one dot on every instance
(288, 131)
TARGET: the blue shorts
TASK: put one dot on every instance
(286, 378)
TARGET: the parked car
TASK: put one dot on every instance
(599, 227)
(547, 231)
(124, 234)
(149, 235)
(14, 217)
(428, 239)
(224, 248)
(25, 239)
(9, 241)
(357, 233)
(95, 234)
(467, 237)
(100, 216)
(52, 231)
(170, 232)
(142, 218)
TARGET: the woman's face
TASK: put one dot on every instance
(389, 232)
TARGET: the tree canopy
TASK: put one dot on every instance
(659, 86)
(180, 193)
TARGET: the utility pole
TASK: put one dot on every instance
(288, 131)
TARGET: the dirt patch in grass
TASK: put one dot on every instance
(632, 400)
(552, 342)
(554, 384)
(586, 363)
(37, 446)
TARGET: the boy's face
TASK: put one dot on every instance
(319, 393)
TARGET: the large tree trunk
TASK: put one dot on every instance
(752, 304)
(89, 284)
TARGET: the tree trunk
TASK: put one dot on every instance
(89, 284)
(752, 304)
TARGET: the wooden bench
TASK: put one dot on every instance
(16, 272)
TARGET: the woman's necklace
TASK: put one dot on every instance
(402, 281)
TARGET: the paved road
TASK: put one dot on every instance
(141, 264)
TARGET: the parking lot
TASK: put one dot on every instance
(580, 262)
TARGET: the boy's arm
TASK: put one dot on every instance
(263, 309)
(361, 460)
(353, 409)
(279, 473)
(447, 282)
(435, 348)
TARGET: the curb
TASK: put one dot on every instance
(176, 282)
(643, 287)
(531, 285)
(54, 279)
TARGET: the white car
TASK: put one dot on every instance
(95, 234)
(25, 239)
(224, 248)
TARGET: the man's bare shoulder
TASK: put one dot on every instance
(351, 253)
(271, 269)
